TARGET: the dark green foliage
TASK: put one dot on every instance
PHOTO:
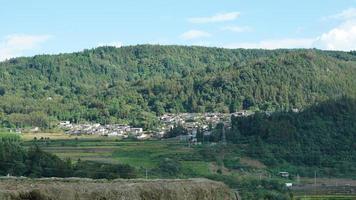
(40, 163)
(322, 136)
(254, 189)
(97, 170)
(9, 137)
(170, 167)
(12, 158)
(133, 84)
(2, 91)
(176, 131)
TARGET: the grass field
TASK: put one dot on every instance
(145, 156)
(9, 136)
(140, 154)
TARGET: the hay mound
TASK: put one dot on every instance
(120, 189)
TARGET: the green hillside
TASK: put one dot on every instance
(134, 84)
(322, 138)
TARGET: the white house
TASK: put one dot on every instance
(289, 184)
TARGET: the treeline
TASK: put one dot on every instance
(134, 84)
(320, 137)
(33, 162)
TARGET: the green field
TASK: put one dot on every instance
(231, 167)
(143, 155)
(9, 136)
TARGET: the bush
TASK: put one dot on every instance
(170, 167)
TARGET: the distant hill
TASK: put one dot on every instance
(134, 84)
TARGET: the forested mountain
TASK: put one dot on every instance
(133, 84)
(321, 137)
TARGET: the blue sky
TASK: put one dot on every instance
(39, 27)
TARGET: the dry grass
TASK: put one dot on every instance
(54, 136)
(135, 189)
(252, 163)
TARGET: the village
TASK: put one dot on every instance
(189, 121)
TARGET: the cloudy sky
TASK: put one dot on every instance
(40, 26)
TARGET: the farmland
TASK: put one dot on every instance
(212, 161)
(143, 155)
(8, 136)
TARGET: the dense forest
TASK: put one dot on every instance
(322, 137)
(136, 83)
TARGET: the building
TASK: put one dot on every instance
(289, 185)
(284, 174)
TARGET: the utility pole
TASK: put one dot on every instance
(315, 177)
(223, 142)
(223, 135)
(315, 182)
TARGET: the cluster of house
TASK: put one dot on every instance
(189, 121)
(103, 130)
(193, 121)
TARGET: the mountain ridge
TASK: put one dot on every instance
(133, 84)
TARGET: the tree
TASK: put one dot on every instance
(170, 167)
(2, 91)
(176, 131)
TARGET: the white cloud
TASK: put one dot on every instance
(347, 14)
(16, 45)
(194, 34)
(342, 37)
(112, 44)
(220, 17)
(237, 29)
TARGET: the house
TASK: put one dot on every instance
(143, 136)
(241, 113)
(136, 130)
(160, 134)
(113, 134)
(284, 174)
(64, 123)
(288, 184)
(34, 129)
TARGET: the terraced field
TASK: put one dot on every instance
(144, 155)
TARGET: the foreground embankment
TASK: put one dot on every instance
(120, 189)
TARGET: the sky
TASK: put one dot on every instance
(34, 27)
